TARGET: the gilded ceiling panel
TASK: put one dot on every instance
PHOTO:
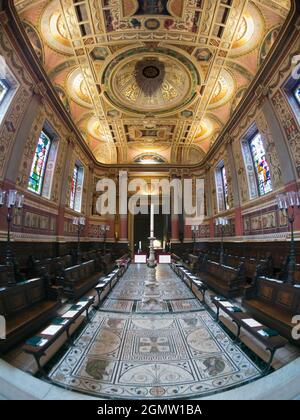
(156, 78)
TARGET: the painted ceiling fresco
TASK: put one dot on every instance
(151, 77)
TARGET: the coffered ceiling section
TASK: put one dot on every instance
(151, 77)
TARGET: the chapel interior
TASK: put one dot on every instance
(149, 306)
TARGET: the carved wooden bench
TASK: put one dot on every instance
(26, 307)
(274, 303)
(226, 280)
(79, 279)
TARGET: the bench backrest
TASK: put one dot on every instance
(80, 272)
(232, 261)
(282, 295)
(222, 271)
(297, 274)
(16, 298)
(3, 276)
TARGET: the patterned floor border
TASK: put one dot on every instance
(110, 306)
(136, 306)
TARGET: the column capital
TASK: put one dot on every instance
(91, 167)
(228, 139)
(71, 140)
(39, 89)
(207, 167)
(262, 93)
(174, 173)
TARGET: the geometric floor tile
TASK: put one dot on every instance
(178, 354)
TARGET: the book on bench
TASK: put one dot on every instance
(36, 341)
(59, 321)
(75, 307)
(268, 332)
(235, 309)
(52, 330)
(252, 323)
(220, 299)
(86, 298)
(70, 314)
(227, 304)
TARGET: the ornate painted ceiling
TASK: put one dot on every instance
(151, 80)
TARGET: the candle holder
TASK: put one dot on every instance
(222, 222)
(80, 223)
(286, 204)
(195, 234)
(11, 199)
(151, 260)
(104, 229)
(151, 263)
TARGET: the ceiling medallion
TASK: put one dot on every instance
(149, 75)
(152, 24)
(143, 81)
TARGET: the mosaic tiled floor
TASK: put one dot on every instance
(167, 355)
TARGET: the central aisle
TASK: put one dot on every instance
(133, 350)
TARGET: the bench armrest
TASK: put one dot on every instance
(55, 292)
(249, 292)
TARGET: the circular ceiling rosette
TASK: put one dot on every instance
(150, 75)
(143, 81)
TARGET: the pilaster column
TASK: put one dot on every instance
(209, 200)
(212, 227)
(174, 221)
(64, 188)
(239, 231)
(175, 227)
(208, 189)
(89, 195)
(187, 231)
(123, 228)
(110, 221)
(15, 159)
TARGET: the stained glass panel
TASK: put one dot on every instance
(225, 187)
(3, 90)
(297, 94)
(261, 165)
(39, 164)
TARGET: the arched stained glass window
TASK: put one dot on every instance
(260, 163)
(39, 164)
